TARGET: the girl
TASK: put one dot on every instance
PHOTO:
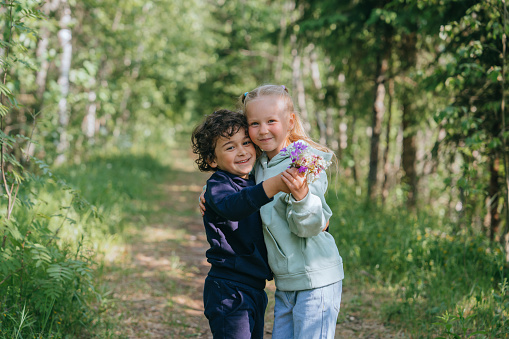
(307, 267)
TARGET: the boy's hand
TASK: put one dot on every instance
(296, 182)
(274, 185)
(201, 203)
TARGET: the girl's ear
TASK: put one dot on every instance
(291, 121)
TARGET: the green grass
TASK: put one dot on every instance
(424, 270)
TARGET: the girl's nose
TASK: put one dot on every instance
(263, 129)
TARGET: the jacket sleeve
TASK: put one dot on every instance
(308, 217)
(233, 204)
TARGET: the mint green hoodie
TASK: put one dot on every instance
(301, 256)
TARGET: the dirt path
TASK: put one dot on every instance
(158, 286)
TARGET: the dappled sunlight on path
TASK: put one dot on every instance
(158, 286)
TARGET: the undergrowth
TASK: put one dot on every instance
(73, 219)
(440, 283)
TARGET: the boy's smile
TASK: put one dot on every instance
(235, 155)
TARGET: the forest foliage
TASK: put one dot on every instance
(410, 94)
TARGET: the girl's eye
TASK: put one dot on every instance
(247, 142)
(271, 121)
(229, 148)
(254, 124)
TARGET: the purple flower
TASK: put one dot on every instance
(299, 146)
(303, 169)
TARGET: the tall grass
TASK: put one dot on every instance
(438, 282)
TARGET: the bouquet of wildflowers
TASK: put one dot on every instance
(307, 162)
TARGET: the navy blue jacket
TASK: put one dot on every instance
(234, 229)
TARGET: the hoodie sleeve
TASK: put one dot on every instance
(231, 203)
(308, 217)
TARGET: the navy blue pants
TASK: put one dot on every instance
(234, 310)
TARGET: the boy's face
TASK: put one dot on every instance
(235, 155)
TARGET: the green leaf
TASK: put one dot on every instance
(12, 229)
(3, 110)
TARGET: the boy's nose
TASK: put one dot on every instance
(242, 150)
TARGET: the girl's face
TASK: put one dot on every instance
(269, 123)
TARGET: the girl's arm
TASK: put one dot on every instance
(307, 215)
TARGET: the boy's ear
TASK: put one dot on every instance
(212, 163)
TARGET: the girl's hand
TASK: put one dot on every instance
(201, 203)
(296, 182)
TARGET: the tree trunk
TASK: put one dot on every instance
(376, 126)
(40, 80)
(317, 83)
(492, 217)
(287, 8)
(354, 143)
(409, 156)
(89, 121)
(409, 56)
(385, 161)
(298, 84)
(342, 140)
(504, 239)
(64, 36)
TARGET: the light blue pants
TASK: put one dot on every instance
(307, 314)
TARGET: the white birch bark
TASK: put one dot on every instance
(298, 85)
(64, 36)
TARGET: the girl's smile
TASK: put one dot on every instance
(269, 123)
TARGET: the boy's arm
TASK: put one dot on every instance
(235, 205)
(271, 186)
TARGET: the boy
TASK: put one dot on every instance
(234, 296)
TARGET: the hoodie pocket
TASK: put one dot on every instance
(277, 259)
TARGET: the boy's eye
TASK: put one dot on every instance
(254, 124)
(271, 121)
(247, 142)
(229, 148)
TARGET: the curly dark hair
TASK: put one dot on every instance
(221, 123)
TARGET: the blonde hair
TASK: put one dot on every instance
(297, 132)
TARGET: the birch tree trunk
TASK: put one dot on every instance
(298, 84)
(288, 7)
(65, 37)
(342, 140)
(89, 121)
(317, 83)
(41, 53)
(376, 126)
